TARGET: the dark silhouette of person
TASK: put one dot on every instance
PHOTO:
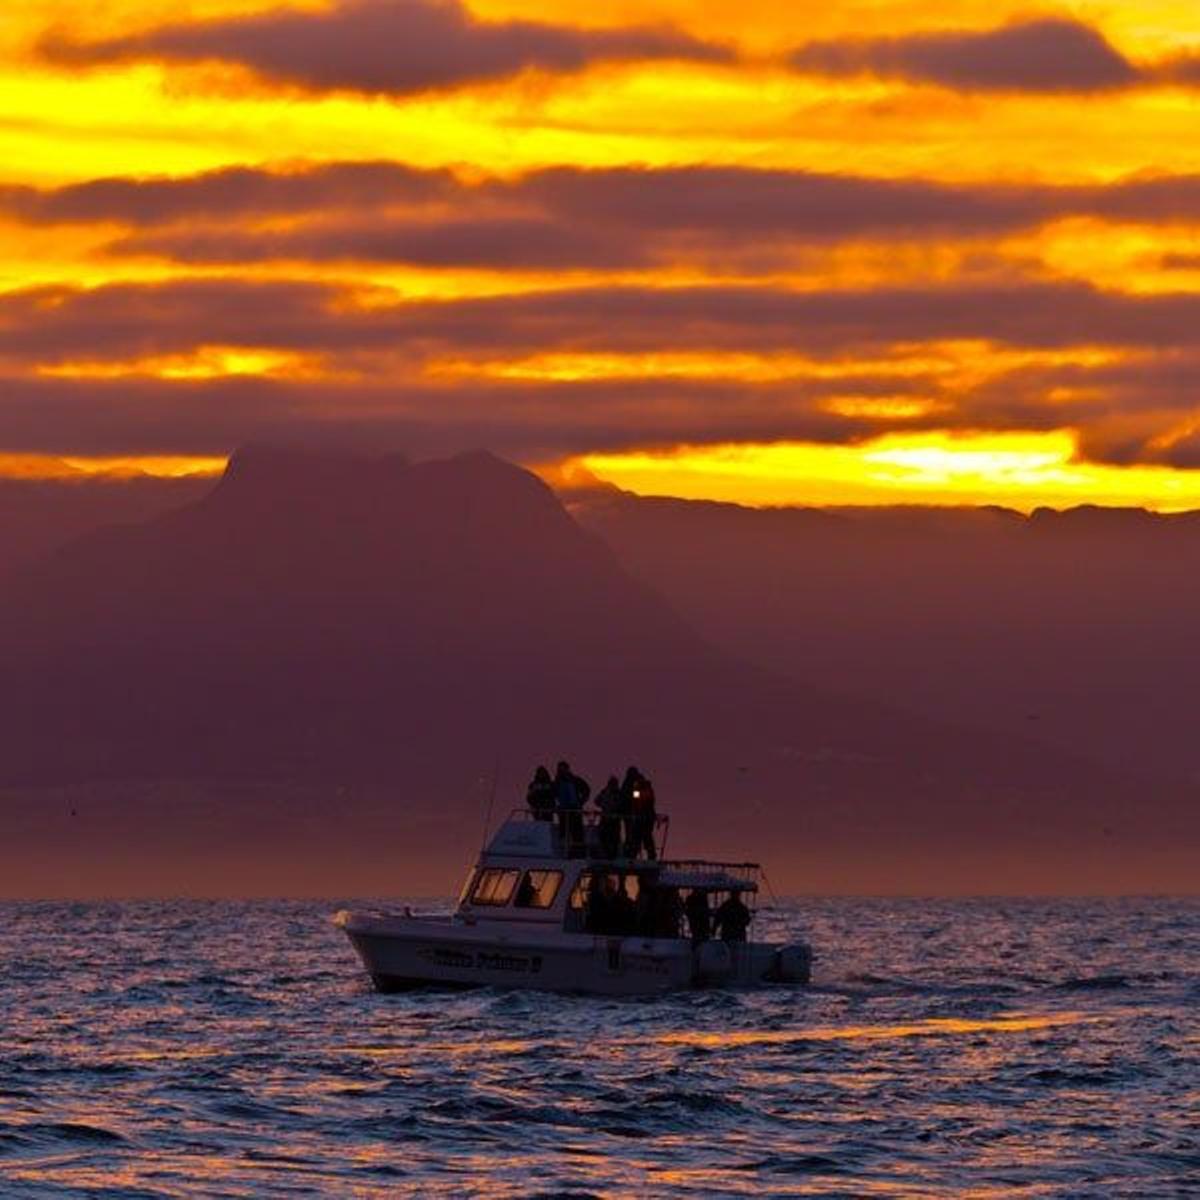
(625, 809)
(666, 913)
(732, 919)
(540, 795)
(642, 815)
(571, 792)
(597, 919)
(699, 919)
(608, 805)
(623, 912)
(646, 906)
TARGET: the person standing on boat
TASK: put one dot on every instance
(646, 906)
(732, 919)
(660, 911)
(571, 793)
(669, 913)
(595, 917)
(699, 919)
(540, 795)
(623, 911)
(608, 805)
(625, 810)
(642, 815)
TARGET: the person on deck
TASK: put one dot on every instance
(642, 815)
(540, 795)
(623, 911)
(668, 913)
(699, 919)
(571, 793)
(599, 890)
(732, 919)
(646, 905)
(608, 805)
(625, 810)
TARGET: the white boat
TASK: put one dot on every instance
(537, 912)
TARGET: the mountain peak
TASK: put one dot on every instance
(279, 465)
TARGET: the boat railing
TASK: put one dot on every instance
(588, 841)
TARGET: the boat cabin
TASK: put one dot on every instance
(531, 873)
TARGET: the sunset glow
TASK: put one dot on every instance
(1022, 471)
(817, 264)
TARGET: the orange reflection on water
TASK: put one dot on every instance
(451, 1049)
(933, 1027)
(169, 1054)
(730, 1038)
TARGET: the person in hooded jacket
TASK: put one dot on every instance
(732, 919)
(540, 795)
(608, 829)
(571, 794)
(642, 814)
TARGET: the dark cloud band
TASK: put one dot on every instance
(562, 218)
(387, 47)
(1129, 408)
(403, 47)
(1040, 56)
(124, 321)
(1122, 408)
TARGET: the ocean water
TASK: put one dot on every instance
(965, 1048)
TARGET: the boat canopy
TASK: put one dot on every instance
(707, 876)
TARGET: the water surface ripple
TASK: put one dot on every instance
(949, 1048)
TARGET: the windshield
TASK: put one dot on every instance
(538, 889)
(494, 887)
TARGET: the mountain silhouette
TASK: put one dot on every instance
(371, 627)
(39, 514)
(1077, 627)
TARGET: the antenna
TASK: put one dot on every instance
(487, 820)
(767, 881)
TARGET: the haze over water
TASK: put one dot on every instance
(948, 1047)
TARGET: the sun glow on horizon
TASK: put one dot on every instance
(170, 466)
(946, 469)
(1018, 470)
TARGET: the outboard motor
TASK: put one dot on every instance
(793, 964)
(714, 962)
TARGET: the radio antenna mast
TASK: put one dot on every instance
(487, 820)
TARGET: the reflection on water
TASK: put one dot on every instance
(948, 1049)
(932, 1027)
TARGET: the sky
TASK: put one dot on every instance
(884, 251)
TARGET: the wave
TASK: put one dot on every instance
(71, 1132)
(1092, 983)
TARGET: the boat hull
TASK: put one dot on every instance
(401, 953)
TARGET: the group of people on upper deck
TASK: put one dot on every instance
(625, 811)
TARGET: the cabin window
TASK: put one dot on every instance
(538, 889)
(579, 893)
(494, 887)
